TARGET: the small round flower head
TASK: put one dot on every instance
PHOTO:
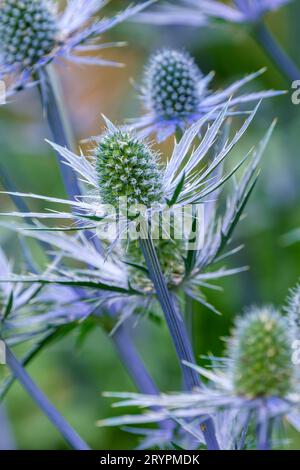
(292, 310)
(27, 31)
(260, 352)
(172, 84)
(127, 167)
(34, 33)
(175, 95)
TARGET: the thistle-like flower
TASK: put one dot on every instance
(260, 352)
(34, 32)
(257, 384)
(116, 166)
(188, 179)
(172, 82)
(126, 167)
(199, 12)
(28, 31)
(175, 94)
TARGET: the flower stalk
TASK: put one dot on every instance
(73, 439)
(176, 327)
(59, 125)
(136, 368)
(132, 362)
(276, 53)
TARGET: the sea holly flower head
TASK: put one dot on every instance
(176, 94)
(127, 167)
(171, 84)
(175, 189)
(27, 31)
(33, 33)
(255, 385)
(260, 351)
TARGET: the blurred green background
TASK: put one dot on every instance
(75, 378)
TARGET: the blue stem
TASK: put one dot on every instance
(53, 107)
(132, 361)
(20, 204)
(177, 330)
(135, 367)
(263, 438)
(44, 404)
(7, 441)
(8, 185)
(280, 58)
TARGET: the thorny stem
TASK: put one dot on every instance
(43, 403)
(279, 57)
(176, 327)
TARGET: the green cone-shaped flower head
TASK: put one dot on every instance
(127, 167)
(261, 354)
(27, 31)
(172, 84)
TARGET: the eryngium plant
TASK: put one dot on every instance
(175, 94)
(33, 33)
(115, 171)
(256, 384)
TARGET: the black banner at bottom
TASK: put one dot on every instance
(135, 459)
